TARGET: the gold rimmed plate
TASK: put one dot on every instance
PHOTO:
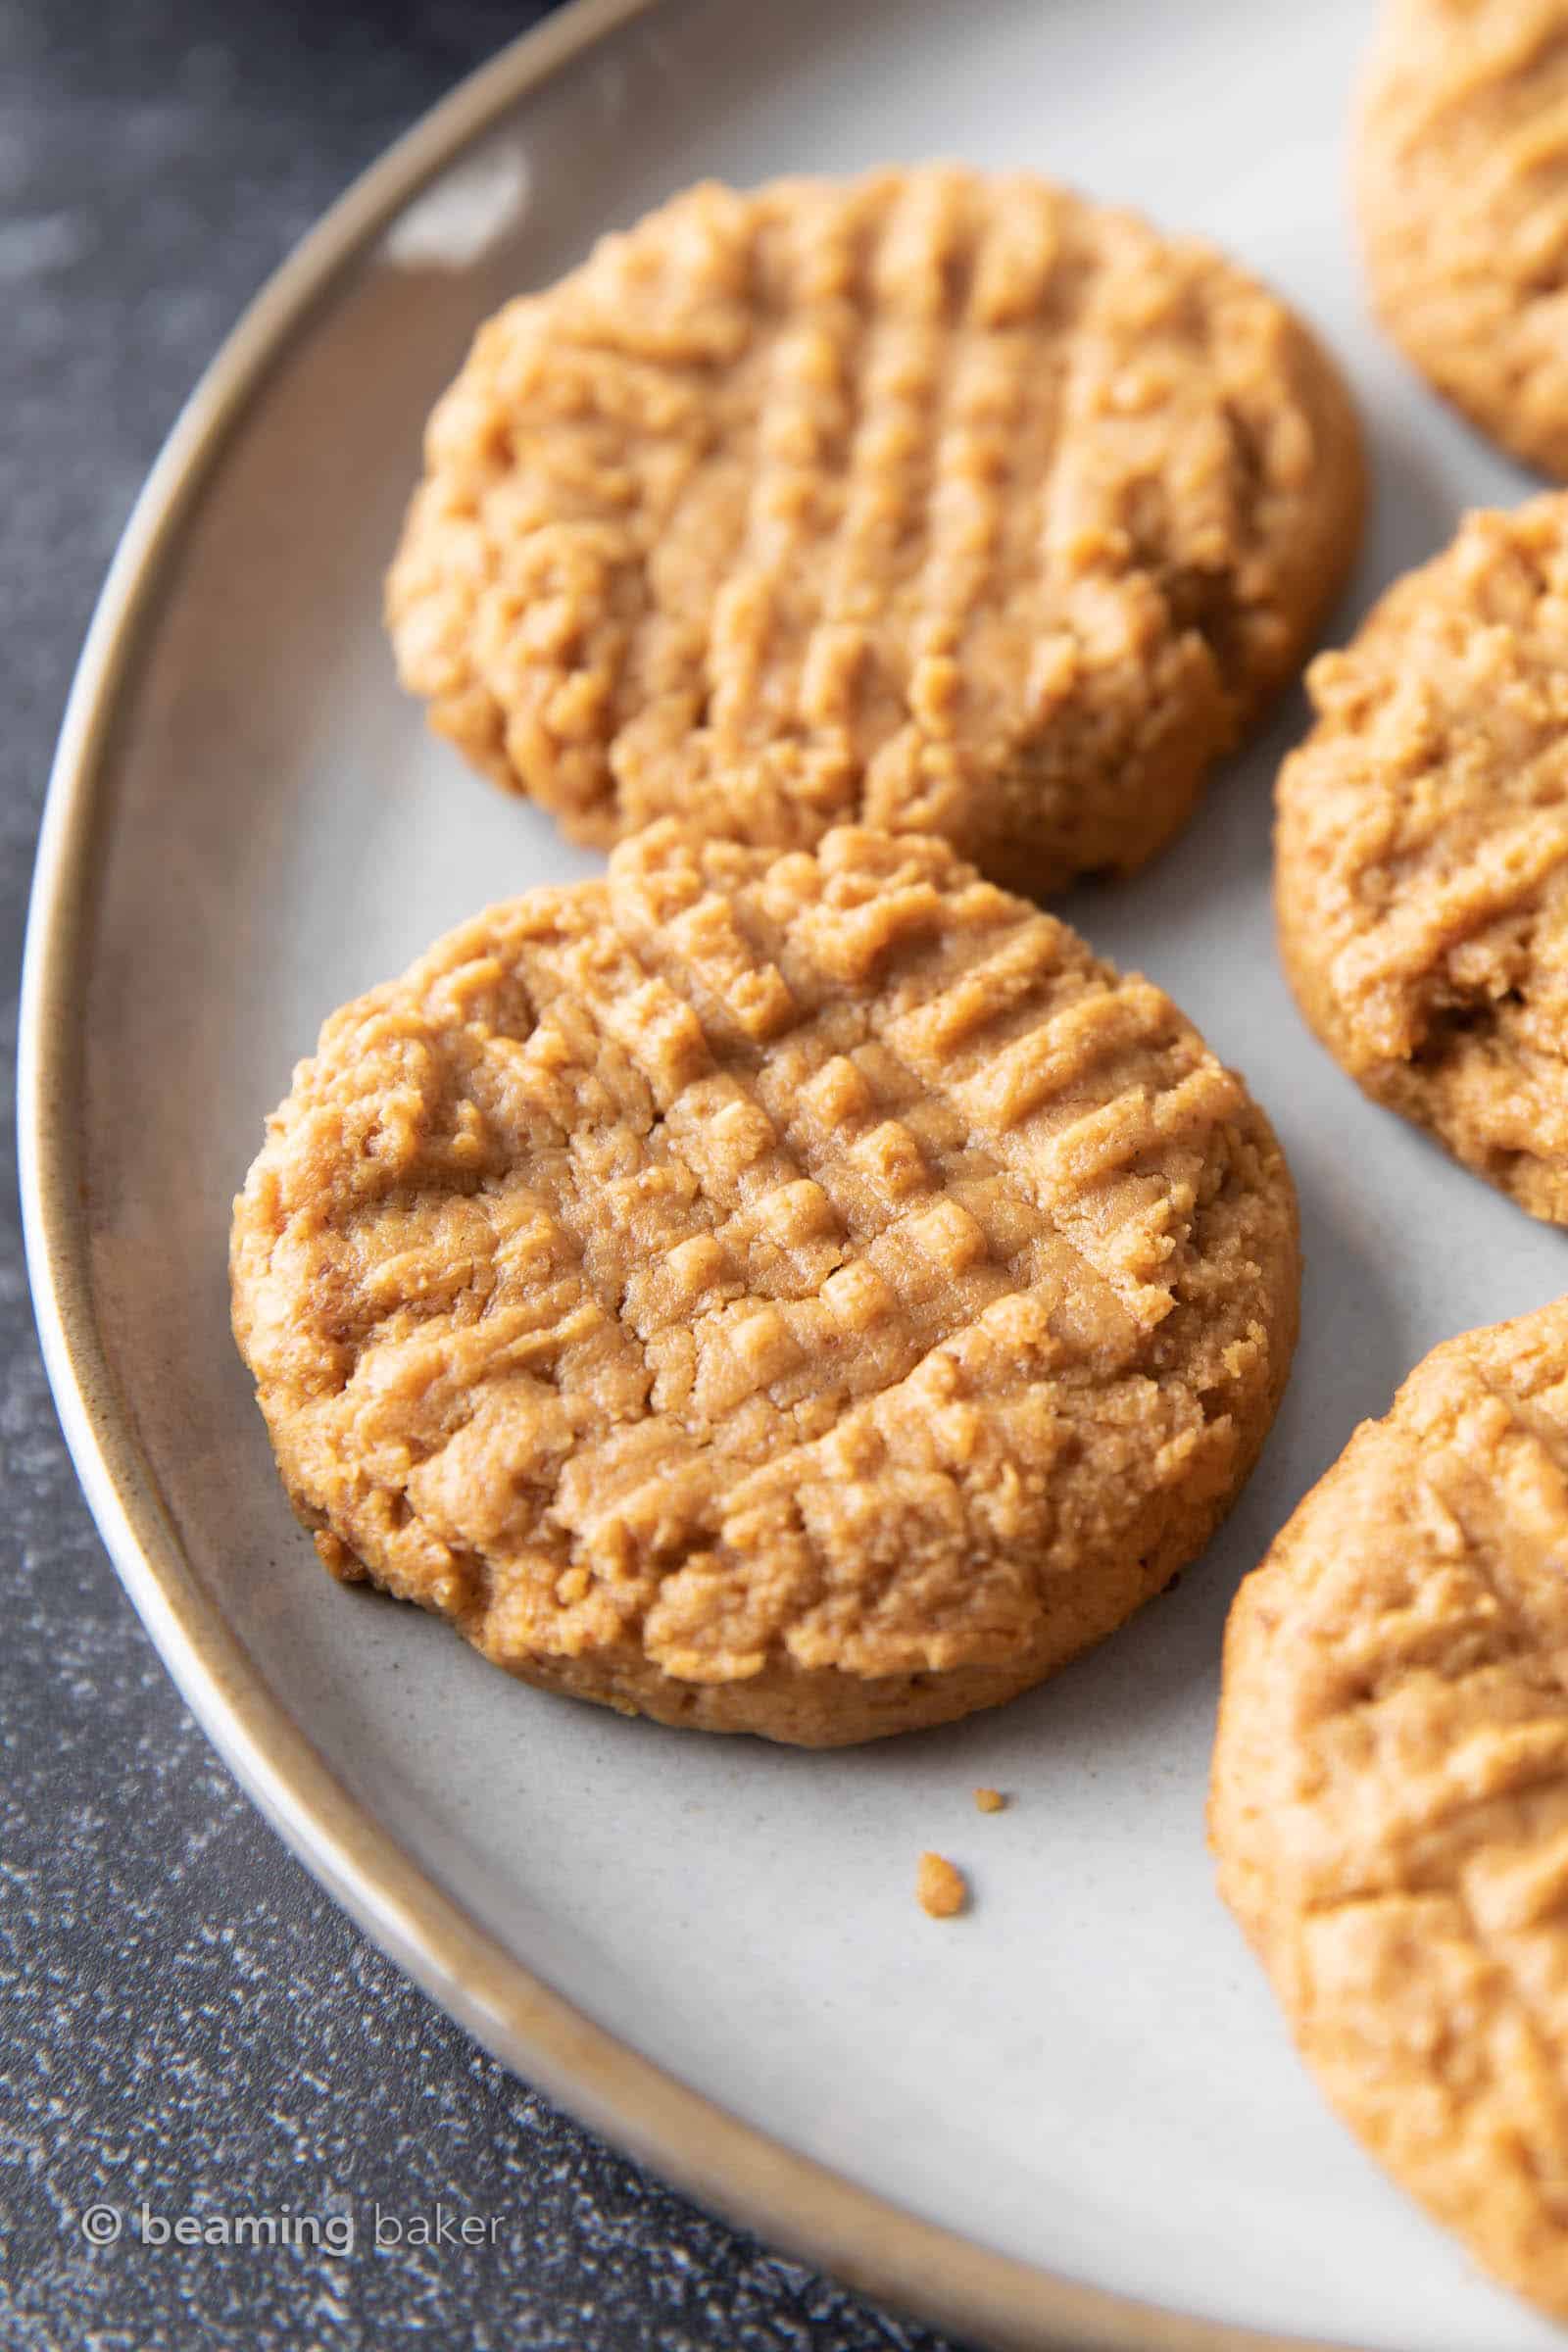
(1072, 2119)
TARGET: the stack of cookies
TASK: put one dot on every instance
(791, 1284)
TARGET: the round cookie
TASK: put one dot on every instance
(1390, 1800)
(1461, 171)
(928, 501)
(810, 1296)
(1422, 851)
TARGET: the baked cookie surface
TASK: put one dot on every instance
(810, 1297)
(1390, 1799)
(1422, 851)
(928, 501)
(1461, 171)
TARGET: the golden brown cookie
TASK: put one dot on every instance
(810, 1297)
(934, 502)
(1462, 195)
(1390, 1799)
(1422, 851)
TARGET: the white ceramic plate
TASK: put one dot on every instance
(1082, 2093)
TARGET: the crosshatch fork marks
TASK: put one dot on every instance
(816, 1263)
(927, 500)
(1390, 1804)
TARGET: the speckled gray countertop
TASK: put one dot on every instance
(185, 2021)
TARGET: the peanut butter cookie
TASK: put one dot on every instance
(1390, 1797)
(1462, 193)
(934, 502)
(810, 1296)
(1422, 851)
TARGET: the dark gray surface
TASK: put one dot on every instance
(186, 2021)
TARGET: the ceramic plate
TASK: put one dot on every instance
(1073, 2118)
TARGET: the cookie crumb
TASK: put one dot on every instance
(989, 1800)
(336, 1559)
(942, 1888)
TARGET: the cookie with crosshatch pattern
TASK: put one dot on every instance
(808, 1296)
(1421, 855)
(1461, 169)
(928, 500)
(1389, 1807)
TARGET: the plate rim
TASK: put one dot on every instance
(734, 2168)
